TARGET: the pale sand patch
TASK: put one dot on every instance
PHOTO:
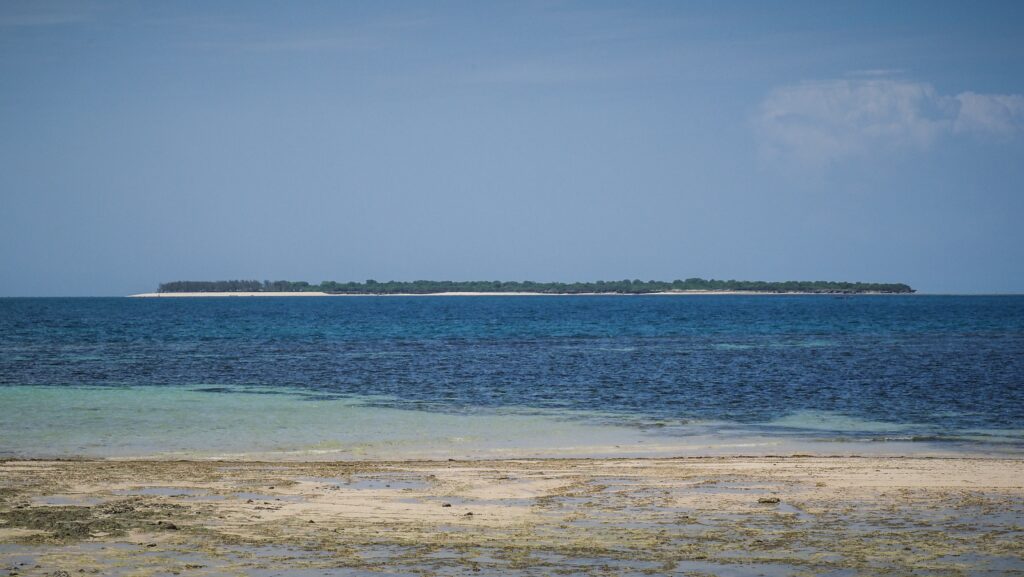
(8, 534)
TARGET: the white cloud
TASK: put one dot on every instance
(992, 113)
(820, 123)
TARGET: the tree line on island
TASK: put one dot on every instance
(605, 287)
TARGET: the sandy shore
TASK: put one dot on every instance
(229, 294)
(742, 516)
(468, 294)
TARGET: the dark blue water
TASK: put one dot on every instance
(943, 364)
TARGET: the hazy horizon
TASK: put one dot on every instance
(546, 141)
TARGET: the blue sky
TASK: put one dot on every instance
(144, 142)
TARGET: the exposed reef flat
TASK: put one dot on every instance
(699, 516)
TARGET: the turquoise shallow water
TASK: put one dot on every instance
(277, 424)
(274, 423)
(461, 376)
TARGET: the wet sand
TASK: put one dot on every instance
(723, 516)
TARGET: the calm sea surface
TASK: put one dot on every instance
(118, 376)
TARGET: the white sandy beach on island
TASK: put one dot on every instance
(480, 294)
(231, 294)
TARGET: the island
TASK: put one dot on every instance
(429, 287)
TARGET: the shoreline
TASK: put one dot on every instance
(496, 294)
(792, 516)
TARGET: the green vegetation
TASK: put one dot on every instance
(608, 287)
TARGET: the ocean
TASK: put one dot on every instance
(400, 377)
